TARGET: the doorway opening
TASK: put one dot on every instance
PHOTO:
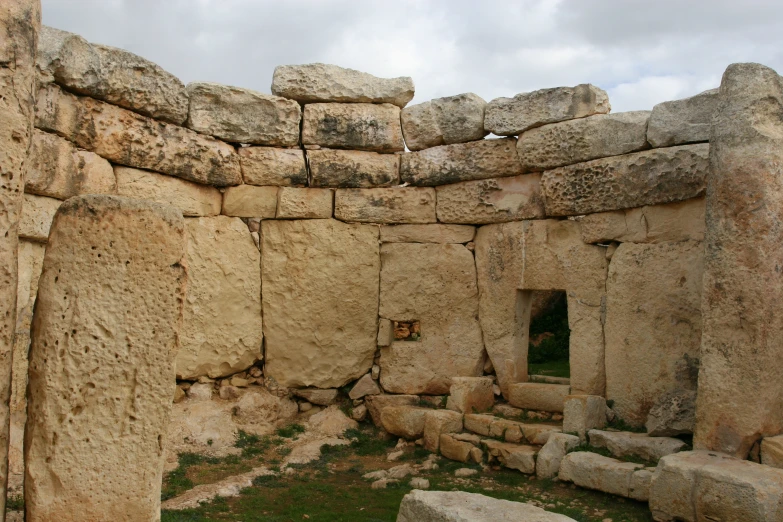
(549, 335)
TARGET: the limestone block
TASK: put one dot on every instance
(673, 413)
(461, 162)
(582, 413)
(443, 121)
(639, 488)
(478, 423)
(320, 82)
(60, 170)
(191, 198)
(358, 126)
(250, 201)
(772, 451)
(322, 274)
(673, 484)
(129, 139)
(272, 166)
(491, 200)
(445, 301)
(385, 332)
(376, 403)
(471, 394)
(364, 386)
(437, 422)
(110, 299)
(37, 215)
(550, 456)
(304, 203)
(454, 449)
(353, 168)
(243, 116)
(434, 233)
(743, 249)
(537, 434)
(585, 139)
(222, 332)
(404, 421)
(678, 221)
(317, 396)
(594, 471)
(653, 324)
(630, 444)
(682, 121)
(386, 205)
(512, 116)
(538, 396)
(513, 456)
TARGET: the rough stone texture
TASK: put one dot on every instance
(594, 471)
(323, 274)
(639, 488)
(358, 126)
(243, 116)
(435, 233)
(394, 205)
(585, 139)
(772, 451)
(454, 449)
(129, 139)
(674, 482)
(437, 422)
(582, 413)
(644, 178)
(461, 162)
(673, 413)
(271, 166)
(191, 198)
(404, 421)
(682, 121)
(60, 170)
(443, 121)
(304, 203)
(320, 82)
(376, 403)
(222, 331)
(385, 333)
(316, 395)
(628, 444)
(653, 324)
(37, 215)
(678, 221)
(538, 396)
(109, 299)
(513, 456)
(512, 116)
(250, 201)
(550, 456)
(353, 168)
(445, 301)
(459, 506)
(742, 337)
(491, 200)
(471, 394)
(364, 386)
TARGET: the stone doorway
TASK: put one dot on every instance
(548, 335)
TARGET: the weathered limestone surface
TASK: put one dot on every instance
(594, 471)
(512, 116)
(673, 413)
(674, 483)
(445, 301)
(222, 331)
(376, 403)
(319, 82)
(322, 274)
(512, 456)
(491, 200)
(582, 413)
(437, 422)
(443, 121)
(630, 444)
(471, 394)
(644, 178)
(37, 215)
(455, 449)
(273, 166)
(250, 201)
(109, 299)
(243, 116)
(127, 138)
(538, 396)
(304, 203)
(653, 324)
(744, 245)
(191, 198)
(772, 451)
(435, 233)
(353, 168)
(393, 205)
(682, 121)
(404, 421)
(358, 126)
(316, 395)
(585, 139)
(551, 455)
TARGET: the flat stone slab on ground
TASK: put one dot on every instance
(459, 506)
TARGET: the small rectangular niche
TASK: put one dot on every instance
(407, 330)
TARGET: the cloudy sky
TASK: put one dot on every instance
(641, 51)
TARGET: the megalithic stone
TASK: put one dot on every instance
(101, 379)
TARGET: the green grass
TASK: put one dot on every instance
(560, 368)
(551, 353)
(606, 453)
(290, 431)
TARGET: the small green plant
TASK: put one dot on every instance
(15, 503)
(251, 444)
(290, 430)
(367, 442)
(268, 481)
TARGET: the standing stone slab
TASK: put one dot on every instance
(682, 121)
(443, 121)
(358, 126)
(222, 332)
(105, 336)
(320, 280)
(320, 82)
(191, 198)
(585, 139)
(435, 233)
(393, 205)
(512, 116)
(353, 168)
(304, 203)
(273, 166)
(243, 116)
(491, 200)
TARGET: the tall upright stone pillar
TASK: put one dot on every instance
(101, 380)
(20, 21)
(740, 395)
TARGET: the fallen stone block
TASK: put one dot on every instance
(386, 205)
(444, 121)
(629, 444)
(437, 422)
(471, 394)
(513, 456)
(594, 471)
(550, 456)
(192, 199)
(431, 233)
(537, 396)
(272, 166)
(404, 421)
(353, 168)
(682, 121)
(364, 386)
(304, 203)
(356, 126)
(497, 200)
(582, 413)
(455, 449)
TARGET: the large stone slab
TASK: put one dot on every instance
(538, 396)
(436, 285)
(435, 233)
(105, 335)
(353, 168)
(191, 198)
(585, 139)
(404, 421)
(512, 116)
(37, 215)
(320, 280)
(682, 121)
(320, 82)
(273, 166)
(243, 116)
(630, 444)
(393, 205)
(634, 180)
(496, 200)
(653, 324)
(222, 330)
(742, 336)
(376, 403)
(594, 471)
(133, 140)
(358, 126)
(459, 506)
(443, 121)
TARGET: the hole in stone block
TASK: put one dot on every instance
(407, 330)
(548, 335)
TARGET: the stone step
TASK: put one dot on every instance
(550, 380)
(509, 430)
(514, 456)
(629, 444)
(593, 471)
(538, 396)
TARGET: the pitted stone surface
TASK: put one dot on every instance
(434, 233)
(682, 121)
(191, 198)
(629, 444)
(304, 203)
(273, 166)
(393, 205)
(37, 215)
(443, 121)
(353, 168)
(497, 200)
(358, 126)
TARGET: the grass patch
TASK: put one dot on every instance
(561, 368)
(290, 431)
(14, 503)
(606, 453)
